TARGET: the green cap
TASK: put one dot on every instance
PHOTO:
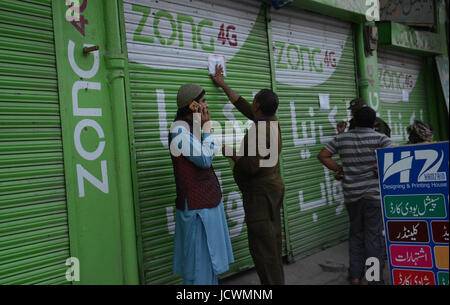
(187, 93)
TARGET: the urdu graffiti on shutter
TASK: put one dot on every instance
(307, 57)
(330, 192)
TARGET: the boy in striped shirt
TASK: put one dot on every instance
(356, 150)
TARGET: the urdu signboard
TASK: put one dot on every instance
(414, 185)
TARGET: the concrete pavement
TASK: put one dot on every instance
(327, 267)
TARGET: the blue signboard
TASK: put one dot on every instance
(414, 185)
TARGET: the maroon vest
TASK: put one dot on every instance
(199, 186)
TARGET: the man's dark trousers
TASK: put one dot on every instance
(262, 214)
(366, 236)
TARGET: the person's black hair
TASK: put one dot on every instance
(413, 138)
(268, 101)
(182, 112)
(200, 96)
(365, 117)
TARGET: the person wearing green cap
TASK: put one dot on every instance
(202, 246)
(260, 183)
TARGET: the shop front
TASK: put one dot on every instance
(88, 94)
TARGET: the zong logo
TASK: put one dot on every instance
(428, 173)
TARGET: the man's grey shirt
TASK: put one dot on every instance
(356, 149)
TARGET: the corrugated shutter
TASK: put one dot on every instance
(314, 55)
(402, 90)
(168, 45)
(34, 241)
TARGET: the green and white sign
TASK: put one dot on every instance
(89, 141)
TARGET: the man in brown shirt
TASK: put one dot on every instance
(257, 174)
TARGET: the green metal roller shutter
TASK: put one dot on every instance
(402, 91)
(34, 241)
(168, 45)
(314, 55)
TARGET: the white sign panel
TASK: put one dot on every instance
(180, 36)
(307, 47)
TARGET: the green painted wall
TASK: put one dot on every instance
(92, 168)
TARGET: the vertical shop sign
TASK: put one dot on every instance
(87, 124)
(414, 191)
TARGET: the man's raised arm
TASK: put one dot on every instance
(240, 103)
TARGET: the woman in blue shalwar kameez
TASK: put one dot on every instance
(202, 247)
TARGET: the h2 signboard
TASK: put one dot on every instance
(414, 186)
